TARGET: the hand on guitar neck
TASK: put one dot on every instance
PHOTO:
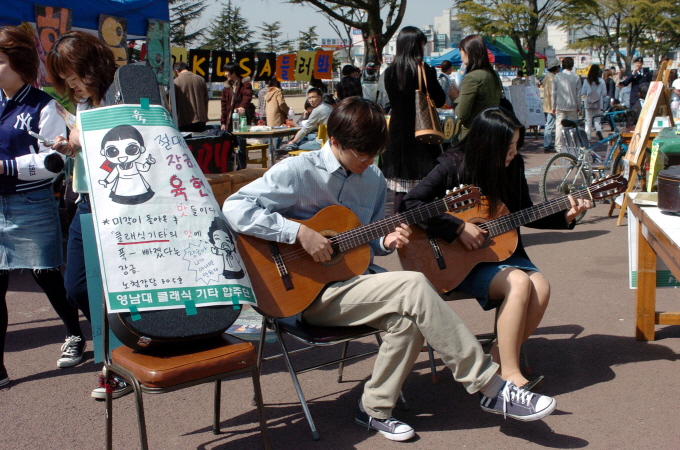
(577, 207)
(319, 247)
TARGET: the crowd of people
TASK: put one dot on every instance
(404, 305)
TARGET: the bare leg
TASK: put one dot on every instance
(538, 302)
(517, 289)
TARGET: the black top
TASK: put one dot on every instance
(348, 87)
(635, 79)
(407, 158)
(445, 176)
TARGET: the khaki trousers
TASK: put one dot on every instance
(409, 310)
(559, 115)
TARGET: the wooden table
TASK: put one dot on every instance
(653, 240)
(274, 133)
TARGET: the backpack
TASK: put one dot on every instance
(593, 98)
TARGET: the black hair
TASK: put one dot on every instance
(315, 89)
(347, 70)
(329, 99)
(216, 225)
(638, 59)
(123, 132)
(231, 67)
(410, 43)
(568, 63)
(359, 124)
(478, 57)
(274, 82)
(594, 75)
(180, 66)
(486, 148)
(445, 65)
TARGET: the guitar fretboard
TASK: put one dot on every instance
(364, 234)
(514, 220)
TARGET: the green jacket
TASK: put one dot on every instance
(478, 91)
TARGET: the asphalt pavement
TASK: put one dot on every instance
(612, 391)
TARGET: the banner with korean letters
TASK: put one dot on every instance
(161, 236)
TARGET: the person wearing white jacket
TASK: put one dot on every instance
(566, 101)
(593, 92)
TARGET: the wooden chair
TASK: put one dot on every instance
(262, 160)
(314, 337)
(158, 373)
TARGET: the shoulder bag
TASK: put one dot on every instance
(428, 126)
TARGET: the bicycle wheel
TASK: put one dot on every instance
(641, 180)
(561, 175)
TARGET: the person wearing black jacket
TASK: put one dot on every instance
(635, 79)
(488, 158)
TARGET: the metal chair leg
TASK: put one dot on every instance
(139, 402)
(216, 406)
(109, 412)
(433, 366)
(341, 366)
(260, 410)
(296, 383)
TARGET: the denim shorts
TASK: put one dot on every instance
(30, 232)
(478, 281)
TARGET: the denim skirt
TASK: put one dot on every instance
(478, 281)
(30, 231)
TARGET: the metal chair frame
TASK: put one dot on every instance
(270, 322)
(110, 368)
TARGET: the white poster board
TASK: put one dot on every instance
(161, 236)
(527, 104)
(664, 277)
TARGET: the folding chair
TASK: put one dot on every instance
(314, 336)
(211, 360)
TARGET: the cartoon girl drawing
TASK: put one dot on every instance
(122, 147)
(223, 244)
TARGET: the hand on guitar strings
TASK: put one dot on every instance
(314, 243)
(398, 238)
(471, 236)
(577, 207)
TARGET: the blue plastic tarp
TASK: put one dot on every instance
(86, 13)
(453, 56)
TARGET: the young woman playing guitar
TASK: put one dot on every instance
(488, 158)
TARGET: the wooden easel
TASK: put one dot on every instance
(657, 101)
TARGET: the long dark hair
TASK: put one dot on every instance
(486, 148)
(594, 75)
(478, 58)
(410, 43)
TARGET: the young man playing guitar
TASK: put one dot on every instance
(402, 304)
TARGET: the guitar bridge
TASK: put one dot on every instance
(438, 255)
(281, 266)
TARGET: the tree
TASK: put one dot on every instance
(624, 24)
(308, 39)
(352, 14)
(522, 20)
(663, 36)
(230, 31)
(369, 20)
(270, 36)
(181, 13)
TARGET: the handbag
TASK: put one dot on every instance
(428, 126)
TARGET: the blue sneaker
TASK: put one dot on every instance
(391, 428)
(518, 403)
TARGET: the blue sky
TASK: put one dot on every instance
(295, 18)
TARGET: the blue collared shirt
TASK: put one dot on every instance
(299, 187)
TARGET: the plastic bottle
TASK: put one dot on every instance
(234, 121)
(244, 123)
(291, 117)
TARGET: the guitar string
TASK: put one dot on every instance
(345, 240)
(352, 238)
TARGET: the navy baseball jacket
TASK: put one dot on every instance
(23, 157)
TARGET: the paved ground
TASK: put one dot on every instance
(612, 391)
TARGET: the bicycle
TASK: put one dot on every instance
(573, 169)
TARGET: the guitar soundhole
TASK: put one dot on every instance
(337, 256)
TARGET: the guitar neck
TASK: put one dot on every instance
(366, 233)
(517, 219)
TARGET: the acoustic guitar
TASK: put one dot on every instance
(286, 279)
(446, 264)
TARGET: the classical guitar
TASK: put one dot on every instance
(285, 278)
(447, 264)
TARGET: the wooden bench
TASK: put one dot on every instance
(225, 184)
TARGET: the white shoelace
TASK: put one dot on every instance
(391, 422)
(513, 393)
(70, 347)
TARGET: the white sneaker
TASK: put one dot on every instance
(392, 429)
(72, 352)
(120, 388)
